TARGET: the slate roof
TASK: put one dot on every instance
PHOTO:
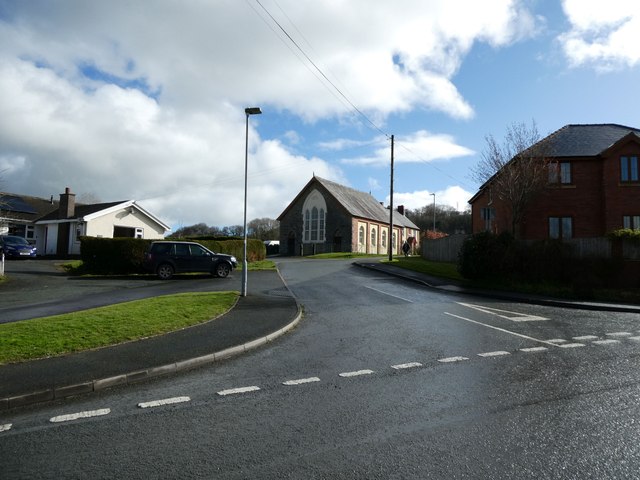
(586, 140)
(82, 210)
(359, 204)
(24, 207)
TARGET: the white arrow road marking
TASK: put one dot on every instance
(76, 416)
(166, 401)
(357, 373)
(513, 316)
(233, 391)
(402, 366)
(6, 427)
(501, 329)
(301, 381)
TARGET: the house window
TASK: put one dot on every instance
(629, 169)
(30, 232)
(560, 172)
(560, 227)
(373, 237)
(384, 239)
(394, 241)
(139, 233)
(488, 215)
(632, 222)
(361, 235)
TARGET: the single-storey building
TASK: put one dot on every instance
(55, 227)
(328, 217)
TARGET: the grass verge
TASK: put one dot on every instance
(341, 255)
(110, 325)
(450, 271)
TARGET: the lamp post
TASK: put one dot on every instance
(434, 212)
(245, 267)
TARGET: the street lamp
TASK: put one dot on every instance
(245, 267)
(434, 212)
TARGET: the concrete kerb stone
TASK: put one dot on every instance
(140, 375)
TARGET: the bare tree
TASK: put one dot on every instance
(264, 228)
(516, 170)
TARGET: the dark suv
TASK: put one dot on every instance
(166, 258)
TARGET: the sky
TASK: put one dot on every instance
(140, 100)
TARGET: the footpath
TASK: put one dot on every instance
(266, 313)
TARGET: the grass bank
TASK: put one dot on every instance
(110, 325)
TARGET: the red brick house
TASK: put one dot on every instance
(593, 187)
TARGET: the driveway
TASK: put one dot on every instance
(37, 288)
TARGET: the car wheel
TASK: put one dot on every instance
(222, 270)
(165, 271)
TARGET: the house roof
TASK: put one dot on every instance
(586, 140)
(24, 207)
(81, 211)
(357, 204)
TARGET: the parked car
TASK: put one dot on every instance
(164, 258)
(16, 247)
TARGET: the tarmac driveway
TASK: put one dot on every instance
(39, 287)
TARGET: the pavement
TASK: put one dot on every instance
(266, 313)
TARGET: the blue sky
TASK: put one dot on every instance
(120, 101)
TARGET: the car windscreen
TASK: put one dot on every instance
(15, 241)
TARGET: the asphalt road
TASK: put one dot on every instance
(39, 288)
(382, 379)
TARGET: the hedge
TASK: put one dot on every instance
(121, 256)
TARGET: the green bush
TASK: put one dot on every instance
(625, 234)
(122, 256)
(486, 256)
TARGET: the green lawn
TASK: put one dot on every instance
(99, 327)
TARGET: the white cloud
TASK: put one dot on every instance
(158, 115)
(453, 196)
(420, 147)
(605, 35)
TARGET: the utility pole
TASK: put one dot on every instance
(390, 240)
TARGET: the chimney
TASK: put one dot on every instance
(67, 207)
(401, 209)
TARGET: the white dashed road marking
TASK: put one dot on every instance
(571, 345)
(618, 334)
(513, 316)
(608, 341)
(494, 354)
(357, 373)
(6, 427)
(166, 401)
(452, 359)
(76, 416)
(402, 366)
(301, 381)
(534, 349)
(585, 337)
(635, 339)
(557, 341)
(233, 391)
